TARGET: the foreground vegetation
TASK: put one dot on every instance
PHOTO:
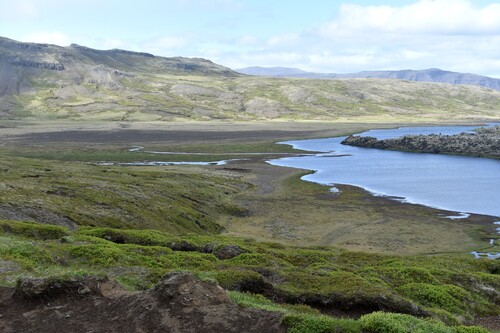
(63, 216)
(450, 290)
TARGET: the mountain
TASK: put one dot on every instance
(273, 71)
(425, 75)
(41, 81)
(79, 64)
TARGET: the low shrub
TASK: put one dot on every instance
(192, 260)
(97, 254)
(241, 280)
(306, 323)
(382, 322)
(33, 230)
(119, 236)
(448, 297)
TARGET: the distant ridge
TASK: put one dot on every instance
(425, 75)
(19, 62)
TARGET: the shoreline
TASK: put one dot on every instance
(280, 207)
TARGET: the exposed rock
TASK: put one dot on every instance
(185, 246)
(229, 251)
(183, 289)
(7, 266)
(39, 65)
(484, 143)
(34, 288)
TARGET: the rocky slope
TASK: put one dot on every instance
(484, 143)
(425, 75)
(24, 66)
(40, 82)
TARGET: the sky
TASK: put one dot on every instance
(317, 35)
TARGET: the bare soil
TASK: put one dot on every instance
(116, 132)
(180, 303)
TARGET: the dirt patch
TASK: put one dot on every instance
(491, 323)
(182, 132)
(39, 215)
(179, 303)
(170, 136)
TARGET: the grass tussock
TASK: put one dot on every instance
(451, 290)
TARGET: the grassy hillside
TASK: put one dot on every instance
(64, 217)
(42, 81)
(301, 283)
(277, 243)
(169, 97)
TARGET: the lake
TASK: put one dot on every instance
(456, 183)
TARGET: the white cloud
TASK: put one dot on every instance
(53, 37)
(446, 17)
(283, 40)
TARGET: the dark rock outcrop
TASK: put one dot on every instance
(39, 64)
(485, 142)
(229, 251)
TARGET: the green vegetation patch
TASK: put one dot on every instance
(447, 297)
(382, 322)
(33, 230)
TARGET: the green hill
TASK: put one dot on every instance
(50, 82)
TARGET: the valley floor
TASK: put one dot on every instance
(250, 226)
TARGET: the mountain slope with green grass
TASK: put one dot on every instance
(39, 81)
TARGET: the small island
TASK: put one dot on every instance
(484, 142)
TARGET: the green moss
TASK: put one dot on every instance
(397, 276)
(28, 254)
(448, 297)
(320, 324)
(33, 230)
(258, 260)
(193, 261)
(96, 254)
(237, 279)
(335, 282)
(170, 200)
(139, 237)
(382, 322)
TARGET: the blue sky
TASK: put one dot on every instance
(324, 36)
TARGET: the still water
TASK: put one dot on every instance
(463, 184)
